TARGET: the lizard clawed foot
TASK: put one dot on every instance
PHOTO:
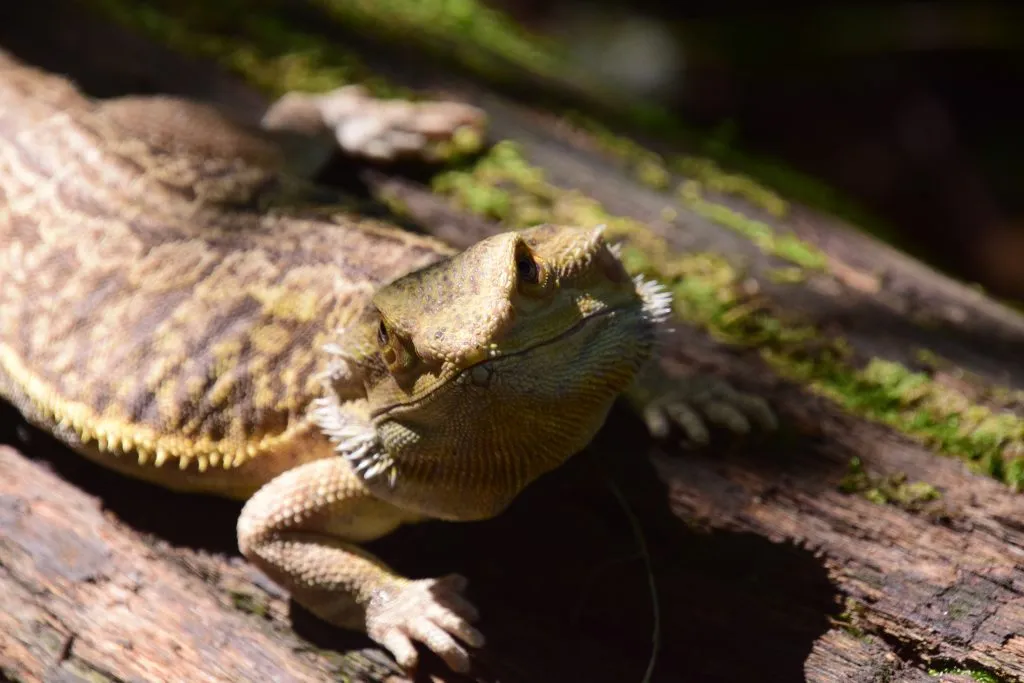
(430, 611)
(703, 399)
(364, 125)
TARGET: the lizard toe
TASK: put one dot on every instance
(441, 643)
(726, 414)
(661, 417)
(401, 648)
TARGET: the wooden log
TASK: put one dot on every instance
(841, 550)
(84, 597)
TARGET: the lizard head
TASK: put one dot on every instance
(495, 365)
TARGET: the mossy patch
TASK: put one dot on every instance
(977, 673)
(851, 617)
(653, 170)
(709, 174)
(249, 603)
(974, 387)
(767, 239)
(892, 489)
(947, 419)
(760, 182)
(787, 276)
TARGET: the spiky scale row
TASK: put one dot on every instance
(657, 300)
(354, 440)
(75, 419)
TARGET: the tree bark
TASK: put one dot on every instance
(771, 558)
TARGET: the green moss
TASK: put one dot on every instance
(922, 408)
(851, 617)
(250, 604)
(787, 276)
(650, 171)
(981, 390)
(980, 674)
(762, 234)
(492, 46)
(761, 182)
(893, 489)
(702, 170)
(712, 177)
(949, 420)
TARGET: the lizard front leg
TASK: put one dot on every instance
(300, 529)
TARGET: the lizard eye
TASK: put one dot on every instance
(382, 334)
(532, 277)
(526, 268)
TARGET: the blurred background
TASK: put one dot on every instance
(910, 110)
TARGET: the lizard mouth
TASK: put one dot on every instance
(446, 380)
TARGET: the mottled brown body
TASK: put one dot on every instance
(152, 305)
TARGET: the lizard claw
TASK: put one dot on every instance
(430, 611)
(704, 399)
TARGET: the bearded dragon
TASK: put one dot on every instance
(171, 309)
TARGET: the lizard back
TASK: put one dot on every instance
(151, 302)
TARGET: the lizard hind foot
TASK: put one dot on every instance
(429, 611)
(704, 399)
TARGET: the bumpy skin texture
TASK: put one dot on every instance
(151, 304)
(174, 306)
